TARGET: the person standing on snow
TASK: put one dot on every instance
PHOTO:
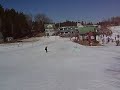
(46, 49)
(117, 40)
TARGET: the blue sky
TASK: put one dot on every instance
(61, 10)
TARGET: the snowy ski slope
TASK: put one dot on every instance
(66, 66)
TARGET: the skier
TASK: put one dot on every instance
(103, 40)
(117, 40)
(46, 49)
(108, 39)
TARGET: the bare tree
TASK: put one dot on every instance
(29, 18)
(42, 18)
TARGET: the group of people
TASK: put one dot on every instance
(117, 40)
(107, 39)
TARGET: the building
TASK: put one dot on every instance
(88, 31)
(67, 30)
(79, 25)
(49, 29)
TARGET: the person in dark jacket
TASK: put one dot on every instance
(46, 49)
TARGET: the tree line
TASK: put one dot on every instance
(72, 23)
(113, 21)
(18, 24)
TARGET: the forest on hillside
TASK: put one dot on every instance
(18, 24)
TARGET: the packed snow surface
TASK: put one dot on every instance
(66, 66)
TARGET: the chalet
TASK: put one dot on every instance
(88, 31)
(49, 29)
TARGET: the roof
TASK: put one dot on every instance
(49, 26)
(86, 29)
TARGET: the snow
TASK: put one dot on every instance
(66, 66)
(115, 31)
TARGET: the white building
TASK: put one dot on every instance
(79, 25)
(49, 29)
